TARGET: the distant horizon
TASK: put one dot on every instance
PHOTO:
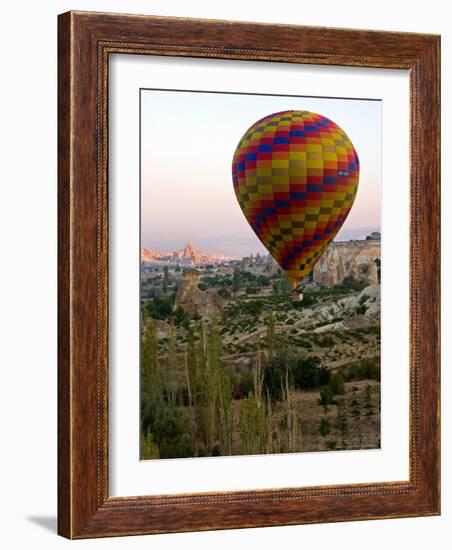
(357, 234)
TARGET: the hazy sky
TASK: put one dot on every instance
(187, 143)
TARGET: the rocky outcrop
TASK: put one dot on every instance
(189, 255)
(349, 312)
(196, 302)
(357, 259)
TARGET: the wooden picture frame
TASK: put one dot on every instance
(85, 42)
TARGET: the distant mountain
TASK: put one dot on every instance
(188, 255)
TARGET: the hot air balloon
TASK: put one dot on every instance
(295, 176)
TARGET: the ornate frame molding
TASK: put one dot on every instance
(85, 42)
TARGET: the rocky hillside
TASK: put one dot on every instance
(357, 259)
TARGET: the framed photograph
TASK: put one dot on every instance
(248, 275)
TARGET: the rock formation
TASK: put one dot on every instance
(357, 259)
(189, 255)
(196, 302)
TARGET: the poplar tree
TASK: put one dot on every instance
(165, 279)
(192, 367)
(292, 427)
(151, 375)
(171, 371)
(236, 280)
(271, 334)
(253, 433)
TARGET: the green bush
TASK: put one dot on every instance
(366, 369)
(224, 293)
(326, 397)
(169, 428)
(361, 310)
(324, 427)
(336, 384)
(252, 289)
(180, 317)
(273, 379)
(307, 372)
(342, 424)
(245, 384)
(353, 284)
(148, 449)
(160, 307)
(325, 342)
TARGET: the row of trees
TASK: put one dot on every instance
(192, 405)
(186, 396)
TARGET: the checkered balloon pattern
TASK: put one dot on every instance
(295, 176)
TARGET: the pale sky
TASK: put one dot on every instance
(187, 143)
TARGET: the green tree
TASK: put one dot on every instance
(236, 280)
(285, 286)
(225, 412)
(172, 368)
(291, 418)
(192, 367)
(165, 279)
(342, 424)
(326, 397)
(150, 372)
(368, 401)
(324, 426)
(271, 334)
(211, 391)
(336, 384)
(148, 449)
(307, 372)
(171, 432)
(253, 433)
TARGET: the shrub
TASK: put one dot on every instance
(342, 424)
(353, 284)
(307, 372)
(252, 290)
(180, 317)
(273, 379)
(245, 385)
(160, 307)
(326, 397)
(148, 449)
(181, 447)
(325, 342)
(324, 427)
(367, 369)
(224, 293)
(361, 310)
(169, 427)
(336, 384)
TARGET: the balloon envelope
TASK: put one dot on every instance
(295, 176)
